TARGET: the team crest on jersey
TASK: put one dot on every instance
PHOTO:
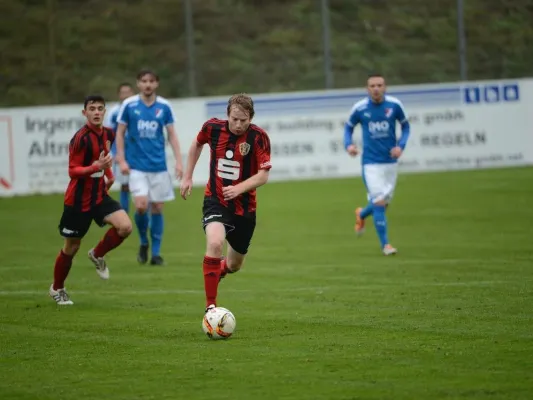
(244, 148)
(388, 112)
(108, 145)
(158, 113)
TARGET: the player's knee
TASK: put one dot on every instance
(141, 208)
(157, 208)
(125, 228)
(234, 264)
(71, 248)
(215, 246)
(141, 204)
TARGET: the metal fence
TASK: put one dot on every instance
(450, 13)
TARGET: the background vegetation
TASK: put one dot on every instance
(55, 51)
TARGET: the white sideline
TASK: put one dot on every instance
(155, 292)
(317, 290)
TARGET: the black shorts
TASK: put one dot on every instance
(75, 224)
(239, 229)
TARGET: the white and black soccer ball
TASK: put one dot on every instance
(218, 323)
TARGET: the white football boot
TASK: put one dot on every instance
(100, 264)
(60, 296)
(389, 250)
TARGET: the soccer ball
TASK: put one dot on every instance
(218, 323)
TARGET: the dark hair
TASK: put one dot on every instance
(375, 75)
(93, 98)
(244, 102)
(144, 72)
(124, 84)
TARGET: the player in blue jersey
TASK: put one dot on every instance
(377, 114)
(146, 116)
(125, 90)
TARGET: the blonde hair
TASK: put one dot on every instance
(244, 102)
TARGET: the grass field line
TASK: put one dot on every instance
(178, 267)
(155, 291)
(318, 290)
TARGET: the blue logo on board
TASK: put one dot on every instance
(491, 94)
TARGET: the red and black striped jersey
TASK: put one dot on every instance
(234, 158)
(87, 187)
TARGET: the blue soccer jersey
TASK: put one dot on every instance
(146, 139)
(378, 123)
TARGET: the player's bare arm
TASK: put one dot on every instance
(192, 158)
(175, 144)
(253, 182)
(119, 139)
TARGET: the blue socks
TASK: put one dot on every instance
(155, 221)
(125, 200)
(142, 221)
(156, 233)
(380, 222)
(365, 212)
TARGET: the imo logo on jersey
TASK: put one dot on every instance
(244, 148)
(378, 126)
(147, 129)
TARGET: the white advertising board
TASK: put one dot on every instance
(453, 126)
(34, 145)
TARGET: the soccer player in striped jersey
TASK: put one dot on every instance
(87, 198)
(240, 163)
(378, 114)
(125, 90)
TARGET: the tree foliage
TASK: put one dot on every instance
(57, 51)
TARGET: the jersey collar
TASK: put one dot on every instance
(95, 129)
(374, 103)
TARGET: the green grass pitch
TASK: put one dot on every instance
(320, 313)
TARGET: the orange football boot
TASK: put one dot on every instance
(359, 222)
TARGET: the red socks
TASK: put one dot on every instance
(224, 270)
(211, 277)
(61, 269)
(110, 240)
(63, 261)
